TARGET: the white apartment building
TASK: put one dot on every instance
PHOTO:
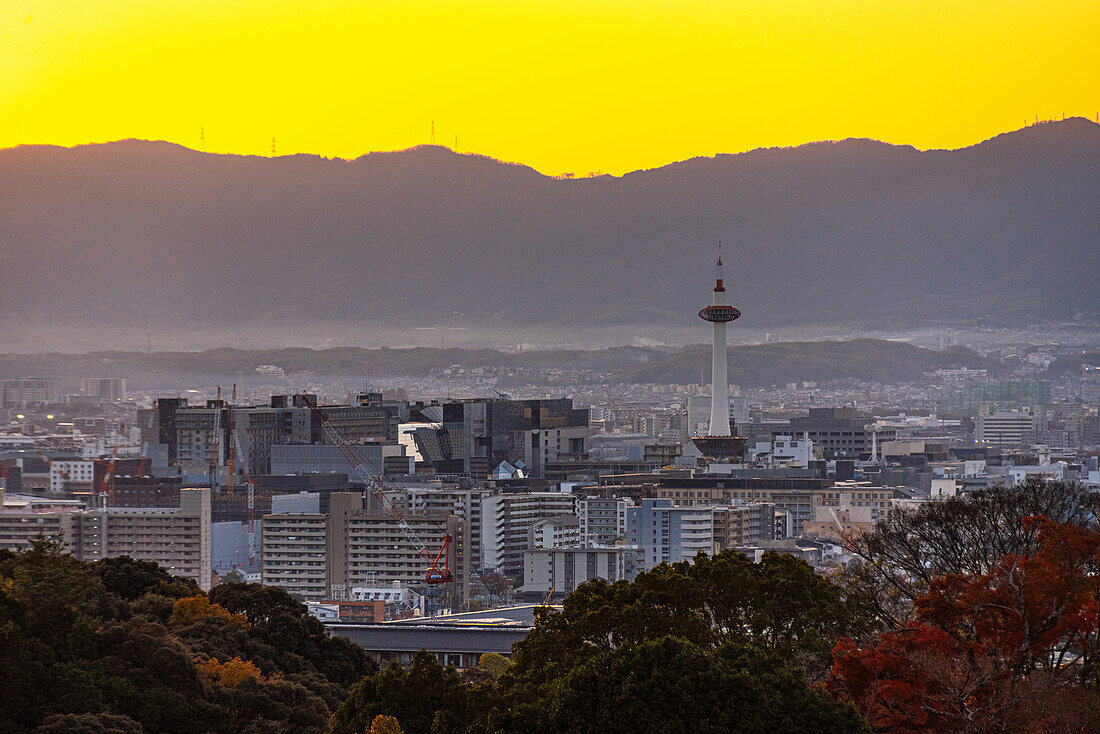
(104, 388)
(554, 532)
(177, 539)
(19, 527)
(506, 519)
(295, 554)
(449, 500)
(603, 520)
(70, 472)
(666, 534)
(562, 570)
(323, 556)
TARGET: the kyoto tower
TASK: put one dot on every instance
(719, 444)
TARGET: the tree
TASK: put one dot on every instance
(779, 604)
(383, 724)
(964, 536)
(88, 724)
(132, 579)
(490, 666)
(87, 647)
(191, 609)
(291, 634)
(1014, 645)
(231, 673)
(672, 685)
(497, 584)
(425, 698)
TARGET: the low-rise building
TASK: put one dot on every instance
(562, 570)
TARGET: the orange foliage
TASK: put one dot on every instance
(383, 724)
(1006, 646)
(231, 673)
(192, 609)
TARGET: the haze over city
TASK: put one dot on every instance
(546, 367)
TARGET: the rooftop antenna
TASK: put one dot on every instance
(433, 132)
(202, 138)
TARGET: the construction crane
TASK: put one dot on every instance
(377, 485)
(251, 493)
(107, 488)
(214, 455)
(229, 449)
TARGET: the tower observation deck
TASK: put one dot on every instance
(719, 444)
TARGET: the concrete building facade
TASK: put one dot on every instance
(562, 570)
(506, 519)
(664, 533)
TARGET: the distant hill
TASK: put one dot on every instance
(152, 235)
(750, 366)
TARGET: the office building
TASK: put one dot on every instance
(838, 432)
(476, 435)
(1005, 428)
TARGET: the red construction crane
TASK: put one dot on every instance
(107, 488)
(377, 485)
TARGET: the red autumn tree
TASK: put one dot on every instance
(1013, 648)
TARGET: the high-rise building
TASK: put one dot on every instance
(838, 432)
(476, 435)
(1005, 428)
(506, 520)
(667, 534)
(177, 539)
(738, 524)
(603, 519)
(719, 444)
(323, 555)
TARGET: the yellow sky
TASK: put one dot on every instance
(563, 86)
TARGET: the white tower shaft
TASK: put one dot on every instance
(719, 392)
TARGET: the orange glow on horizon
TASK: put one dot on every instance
(566, 86)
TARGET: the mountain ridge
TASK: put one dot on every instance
(750, 366)
(137, 235)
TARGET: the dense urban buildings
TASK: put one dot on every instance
(343, 495)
